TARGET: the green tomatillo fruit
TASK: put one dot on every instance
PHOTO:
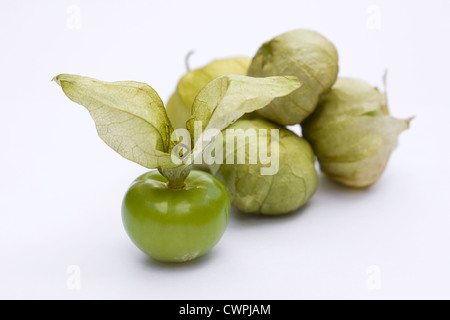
(176, 214)
(176, 225)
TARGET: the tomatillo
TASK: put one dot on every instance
(173, 214)
(176, 224)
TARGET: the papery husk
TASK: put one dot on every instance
(286, 191)
(302, 53)
(352, 133)
(180, 103)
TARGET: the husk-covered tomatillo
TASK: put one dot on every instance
(285, 191)
(179, 106)
(176, 214)
(352, 133)
(250, 191)
(302, 53)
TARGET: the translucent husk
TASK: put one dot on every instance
(290, 188)
(179, 106)
(352, 133)
(180, 103)
(130, 116)
(302, 53)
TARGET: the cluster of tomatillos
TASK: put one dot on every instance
(345, 122)
(175, 213)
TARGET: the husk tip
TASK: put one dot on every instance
(295, 81)
(408, 121)
(57, 79)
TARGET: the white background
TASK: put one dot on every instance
(61, 187)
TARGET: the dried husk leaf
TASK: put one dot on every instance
(180, 103)
(129, 116)
(227, 98)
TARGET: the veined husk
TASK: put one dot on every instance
(290, 188)
(302, 53)
(180, 103)
(352, 133)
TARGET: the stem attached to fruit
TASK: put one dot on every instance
(176, 176)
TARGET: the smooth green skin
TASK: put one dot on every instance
(176, 225)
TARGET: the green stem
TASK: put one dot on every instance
(176, 176)
(384, 106)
